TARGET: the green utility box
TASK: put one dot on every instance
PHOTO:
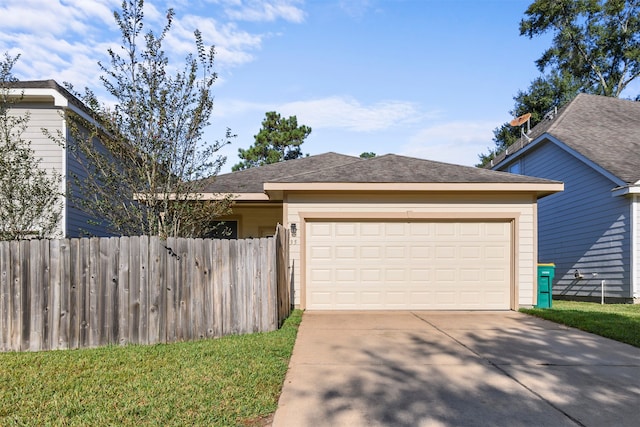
(545, 284)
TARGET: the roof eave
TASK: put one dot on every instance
(258, 197)
(59, 99)
(513, 156)
(626, 190)
(253, 197)
(541, 189)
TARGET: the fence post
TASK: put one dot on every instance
(55, 292)
(122, 336)
(5, 297)
(283, 294)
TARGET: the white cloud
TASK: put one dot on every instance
(65, 40)
(458, 142)
(231, 108)
(356, 8)
(263, 10)
(57, 40)
(48, 17)
(349, 114)
(336, 112)
(233, 45)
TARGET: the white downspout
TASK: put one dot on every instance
(63, 184)
(635, 247)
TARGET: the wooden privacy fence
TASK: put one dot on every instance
(78, 293)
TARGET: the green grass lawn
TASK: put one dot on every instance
(620, 322)
(230, 381)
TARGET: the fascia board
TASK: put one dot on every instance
(565, 147)
(236, 196)
(213, 196)
(435, 187)
(514, 156)
(626, 190)
(59, 100)
(587, 161)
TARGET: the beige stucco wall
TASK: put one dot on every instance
(256, 220)
(519, 207)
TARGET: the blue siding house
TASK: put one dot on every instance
(591, 231)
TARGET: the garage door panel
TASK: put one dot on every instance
(346, 275)
(445, 253)
(446, 229)
(496, 275)
(323, 276)
(320, 229)
(395, 229)
(319, 253)
(496, 229)
(446, 299)
(495, 252)
(470, 229)
(420, 276)
(345, 229)
(395, 252)
(319, 298)
(422, 299)
(445, 276)
(419, 229)
(395, 275)
(469, 298)
(345, 253)
(372, 298)
(371, 253)
(371, 229)
(345, 300)
(371, 275)
(420, 253)
(471, 253)
(470, 275)
(410, 265)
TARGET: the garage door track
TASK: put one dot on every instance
(455, 369)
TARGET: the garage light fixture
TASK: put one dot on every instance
(294, 229)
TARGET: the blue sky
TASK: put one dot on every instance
(423, 78)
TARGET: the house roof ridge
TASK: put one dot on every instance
(564, 111)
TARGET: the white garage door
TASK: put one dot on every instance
(415, 265)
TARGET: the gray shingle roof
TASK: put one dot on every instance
(334, 168)
(392, 168)
(606, 130)
(251, 180)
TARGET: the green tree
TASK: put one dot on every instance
(595, 41)
(544, 93)
(367, 155)
(149, 178)
(30, 198)
(595, 49)
(278, 140)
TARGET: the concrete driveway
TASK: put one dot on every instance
(455, 369)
